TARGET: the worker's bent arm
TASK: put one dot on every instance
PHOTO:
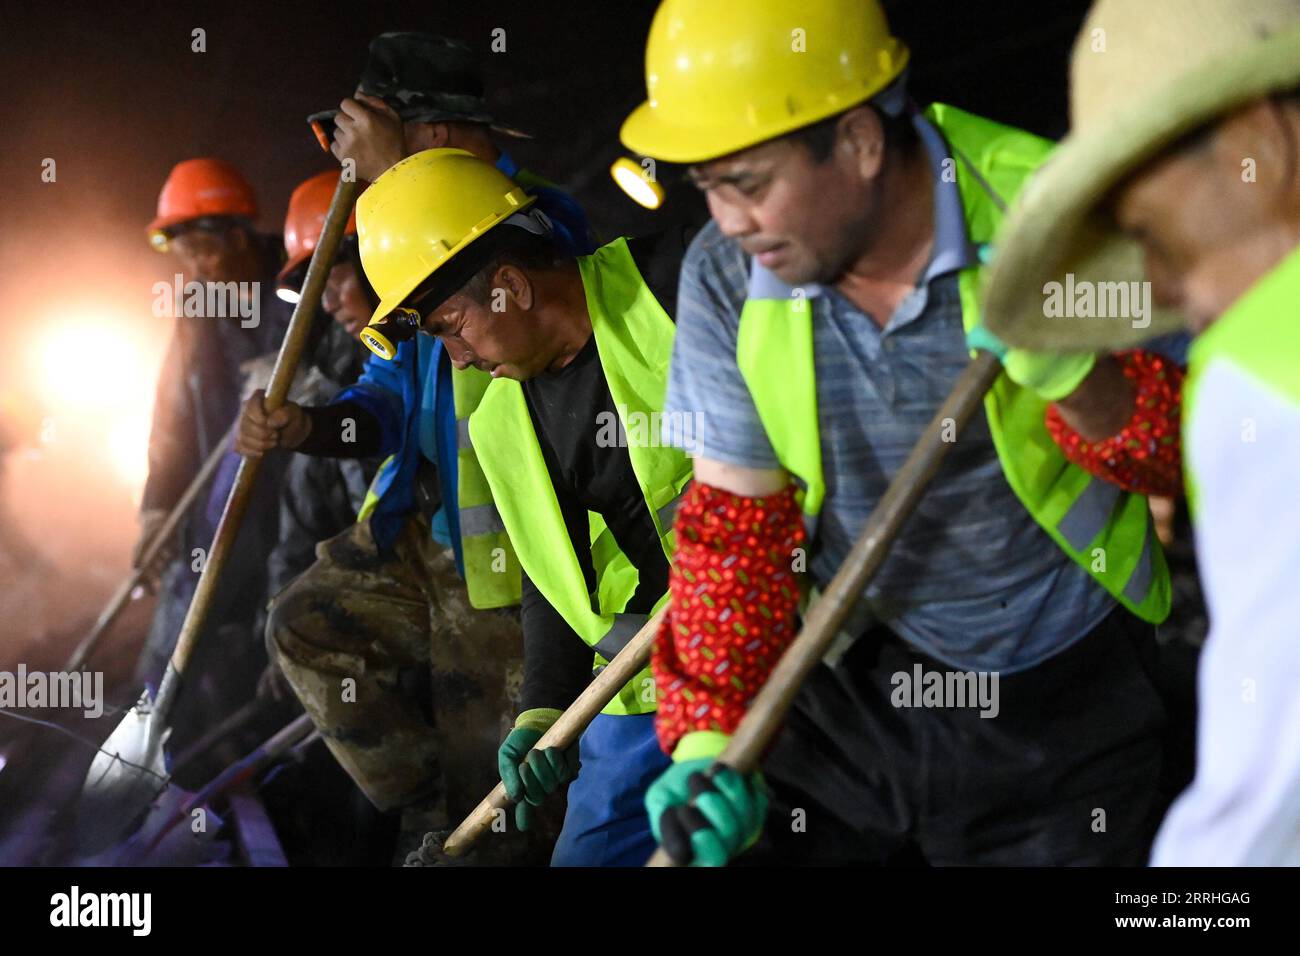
(174, 454)
(734, 600)
(747, 482)
(1123, 422)
(1102, 404)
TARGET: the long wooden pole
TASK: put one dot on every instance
(772, 703)
(232, 517)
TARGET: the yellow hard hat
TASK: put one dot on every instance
(723, 75)
(422, 212)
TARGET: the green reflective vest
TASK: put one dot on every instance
(634, 339)
(1260, 336)
(492, 576)
(1105, 530)
(491, 565)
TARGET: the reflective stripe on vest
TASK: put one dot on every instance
(1106, 531)
(491, 567)
(634, 342)
(625, 628)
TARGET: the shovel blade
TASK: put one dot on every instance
(124, 778)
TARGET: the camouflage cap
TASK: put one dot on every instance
(426, 79)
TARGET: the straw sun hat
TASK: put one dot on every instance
(1144, 73)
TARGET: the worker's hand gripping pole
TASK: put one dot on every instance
(826, 616)
(627, 663)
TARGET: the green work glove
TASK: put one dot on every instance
(1049, 375)
(702, 812)
(532, 775)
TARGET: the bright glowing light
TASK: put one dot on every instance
(635, 181)
(128, 445)
(98, 386)
(288, 295)
(89, 365)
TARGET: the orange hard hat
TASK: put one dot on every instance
(308, 206)
(197, 188)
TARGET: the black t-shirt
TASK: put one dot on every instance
(565, 408)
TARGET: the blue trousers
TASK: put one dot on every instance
(606, 823)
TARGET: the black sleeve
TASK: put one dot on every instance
(647, 556)
(326, 440)
(173, 447)
(557, 662)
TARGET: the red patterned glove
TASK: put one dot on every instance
(733, 611)
(1145, 456)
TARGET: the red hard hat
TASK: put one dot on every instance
(203, 187)
(308, 206)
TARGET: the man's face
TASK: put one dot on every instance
(1208, 230)
(507, 343)
(804, 221)
(208, 255)
(345, 298)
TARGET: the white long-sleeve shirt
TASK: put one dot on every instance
(1243, 808)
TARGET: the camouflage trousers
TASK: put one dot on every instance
(412, 689)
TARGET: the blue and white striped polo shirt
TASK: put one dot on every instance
(972, 580)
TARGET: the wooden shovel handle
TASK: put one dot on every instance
(627, 663)
(232, 516)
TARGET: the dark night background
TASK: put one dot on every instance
(113, 93)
